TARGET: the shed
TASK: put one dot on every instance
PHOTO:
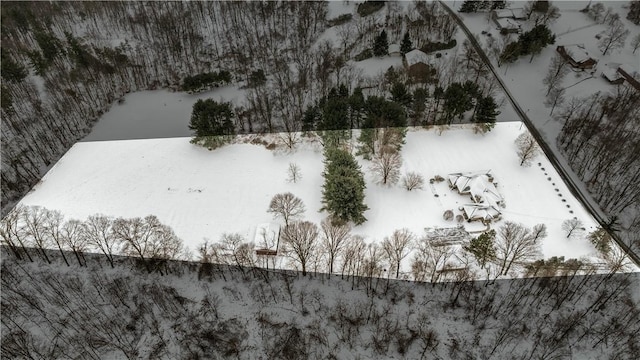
(394, 50)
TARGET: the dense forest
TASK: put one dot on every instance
(601, 141)
(203, 310)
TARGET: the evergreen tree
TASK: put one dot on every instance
(11, 71)
(356, 107)
(210, 118)
(532, 42)
(406, 45)
(343, 189)
(457, 100)
(381, 44)
(469, 6)
(634, 12)
(400, 94)
(418, 106)
(310, 118)
(486, 113)
(498, 4)
(483, 247)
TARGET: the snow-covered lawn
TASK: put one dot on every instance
(202, 194)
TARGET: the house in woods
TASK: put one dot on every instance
(515, 14)
(612, 75)
(267, 239)
(577, 56)
(394, 50)
(417, 64)
(631, 75)
(507, 26)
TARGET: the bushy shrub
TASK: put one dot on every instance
(369, 7)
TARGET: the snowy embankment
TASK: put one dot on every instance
(203, 194)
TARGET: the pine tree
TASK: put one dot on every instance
(11, 71)
(381, 44)
(400, 94)
(483, 247)
(343, 189)
(634, 12)
(406, 45)
(210, 118)
(486, 113)
(469, 6)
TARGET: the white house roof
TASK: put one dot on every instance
(416, 56)
(481, 212)
(478, 185)
(611, 74)
(577, 53)
(394, 48)
(515, 13)
(507, 24)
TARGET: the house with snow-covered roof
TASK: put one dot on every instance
(577, 56)
(483, 192)
(266, 239)
(417, 64)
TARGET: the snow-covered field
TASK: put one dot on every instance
(202, 194)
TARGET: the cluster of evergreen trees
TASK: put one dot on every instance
(482, 5)
(530, 43)
(206, 80)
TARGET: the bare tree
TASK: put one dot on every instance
(299, 240)
(397, 247)
(334, 238)
(515, 244)
(294, 173)
(614, 37)
(527, 148)
(413, 181)
(573, 227)
(34, 220)
(232, 249)
(555, 97)
(99, 233)
(12, 232)
(558, 68)
(386, 166)
(430, 257)
(74, 238)
(287, 206)
(53, 221)
(635, 43)
(135, 235)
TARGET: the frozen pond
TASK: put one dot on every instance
(155, 114)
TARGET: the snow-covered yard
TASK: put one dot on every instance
(202, 194)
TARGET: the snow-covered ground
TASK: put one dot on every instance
(202, 194)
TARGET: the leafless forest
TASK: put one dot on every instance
(197, 310)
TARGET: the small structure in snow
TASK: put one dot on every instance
(577, 56)
(612, 76)
(631, 75)
(267, 238)
(507, 25)
(394, 50)
(515, 14)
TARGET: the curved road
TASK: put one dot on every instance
(564, 173)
